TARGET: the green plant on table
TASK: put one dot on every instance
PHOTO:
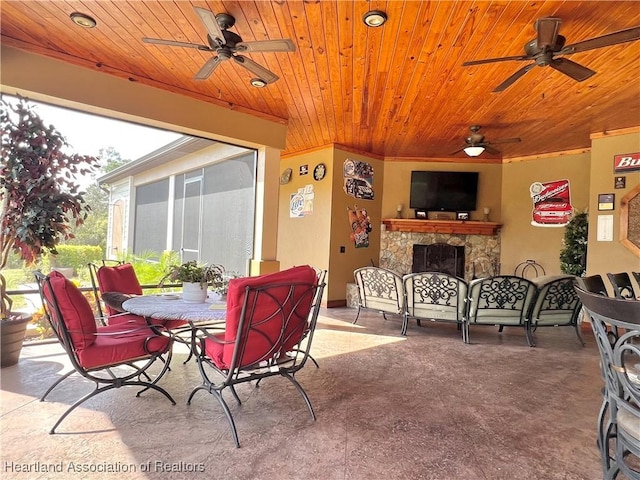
(194, 272)
(221, 285)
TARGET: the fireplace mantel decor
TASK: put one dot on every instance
(467, 227)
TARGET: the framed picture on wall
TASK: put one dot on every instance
(606, 201)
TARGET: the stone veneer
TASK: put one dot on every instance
(481, 252)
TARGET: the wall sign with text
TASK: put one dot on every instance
(627, 162)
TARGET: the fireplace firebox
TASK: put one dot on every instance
(439, 257)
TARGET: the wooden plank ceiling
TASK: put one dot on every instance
(399, 90)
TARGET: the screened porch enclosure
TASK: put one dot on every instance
(206, 214)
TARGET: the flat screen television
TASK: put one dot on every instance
(444, 191)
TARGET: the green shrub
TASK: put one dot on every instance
(76, 256)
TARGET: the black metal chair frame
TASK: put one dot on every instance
(529, 266)
(556, 297)
(93, 274)
(436, 297)
(110, 378)
(618, 341)
(380, 290)
(275, 362)
(622, 286)
(176, 332)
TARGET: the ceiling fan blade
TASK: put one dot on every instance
(208, 68)
(504, 140)
(493, 60)
(459, 150)
(572, 69)
(547, 29)
(281, 45)
(255, 68)
(628, 35)
(172, 43)
(519, 73)
(209, 20)
(491, 150)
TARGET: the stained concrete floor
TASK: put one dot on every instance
(425, 406)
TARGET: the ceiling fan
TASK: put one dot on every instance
(227, 45)
(549, 43)
(476, 144)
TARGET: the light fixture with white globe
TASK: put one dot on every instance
(473, 151)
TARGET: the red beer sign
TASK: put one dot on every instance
(627, 162)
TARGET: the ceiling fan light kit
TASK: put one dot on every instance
(226, 45)
(83, 20)
(476, 143)
(374, 18)
(473, 151)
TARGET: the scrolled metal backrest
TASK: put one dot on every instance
(557, 296)
(619, 352)
(379, 283)
(504, 292)
(437, 289)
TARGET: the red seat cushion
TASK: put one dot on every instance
(258, 344)
(75, 309)
(121, 278)
(115, 344)
(118, 284)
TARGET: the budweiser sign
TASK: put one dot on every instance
(628, 162)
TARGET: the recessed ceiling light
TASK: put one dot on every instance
(83, 20)
(374, 18)
(258, 83)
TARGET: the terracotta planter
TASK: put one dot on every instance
(12, 333)
(194, 292)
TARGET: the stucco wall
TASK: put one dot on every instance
(522, 241)
(397, 183)
(305, 240)
(612, 256)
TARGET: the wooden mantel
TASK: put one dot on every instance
(464, 227)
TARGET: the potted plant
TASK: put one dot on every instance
(39, 201)
(195, 278)
(221, 285)
(573, 256)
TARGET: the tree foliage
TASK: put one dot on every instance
(573, 256)
(39, 197)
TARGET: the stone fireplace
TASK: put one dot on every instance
(478, 252)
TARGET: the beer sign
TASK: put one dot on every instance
(627, 162)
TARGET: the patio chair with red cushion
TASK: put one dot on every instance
(268, 332)
(111, 356)
(113, 284)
